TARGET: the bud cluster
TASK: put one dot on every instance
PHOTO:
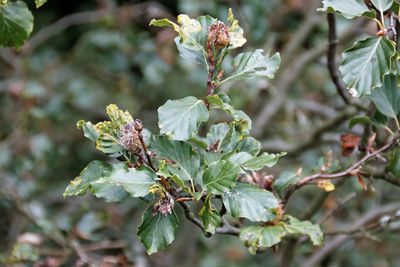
(129, 137)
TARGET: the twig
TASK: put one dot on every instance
(210, 82)
(320, 254)
(289, 75)
(335, 209)
(309, 179)
(333, 71)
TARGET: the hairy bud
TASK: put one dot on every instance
(129, 137)
(219, 35)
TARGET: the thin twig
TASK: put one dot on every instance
(333, 71)
(310, 179)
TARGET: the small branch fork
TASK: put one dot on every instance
(354, 169)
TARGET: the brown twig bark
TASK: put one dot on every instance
(312, 178)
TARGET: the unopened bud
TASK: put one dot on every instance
(138, 125)
(219, 35)
(129, 138)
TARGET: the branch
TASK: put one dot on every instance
(338, 240)
(289, 75)
(310, 179)
(333, 71)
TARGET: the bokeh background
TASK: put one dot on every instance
(84, 55)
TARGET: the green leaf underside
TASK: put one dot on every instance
(387, 97)
(181, 118)
(93, 177)
(284, 180)
(158, 231)
(254, 64)
(250, 202)
(365, 64)
(182, 153)
(88, 130)
(348, 8)
(211, 217)
(382, 5)
(220, 176)
(394, 164)
(136, 181)
(294, 226)
(222, 101)
(16, 24)
(259, 237)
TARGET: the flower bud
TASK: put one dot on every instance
(219, 35)
(129, 137)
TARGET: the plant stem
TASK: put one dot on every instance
(210, 82)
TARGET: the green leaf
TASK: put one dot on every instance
(258, 238)
(163, 171)
(222, 101)
(284, 180)
(365, 64)
(249, 145)
(136, 181)
(93, 177)
(211, 217)
(118, 117)
(157, 231)
(88, 130)
(181, 118)
(220, 177)
(108, 141)
(101, 188)
(359, 120)
(250, 202)
(387, 97)
(394, 164)
(257, 163)
(254, 64)
(382, 5)
(39, 3)
(294, 226)
(348, 8)
(235, 32)
(16, 24)
(192, 36)
(182, 153)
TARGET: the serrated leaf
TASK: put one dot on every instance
(93, 177)
(365, 64)
(235, 32)
(259, 238)
(250, 202)
(262, 160)
(222, 101)
(294, 226)
(382, 5)
(181, 153)
(136, 181)
(387, 97)
(108, 140)
(348, 8)
(284, 180)
(254, 64)
(157, 231)
(220, 177)
(211, 217)
(181, 118)
(16, 24)
(394, 164)
(39, 3)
